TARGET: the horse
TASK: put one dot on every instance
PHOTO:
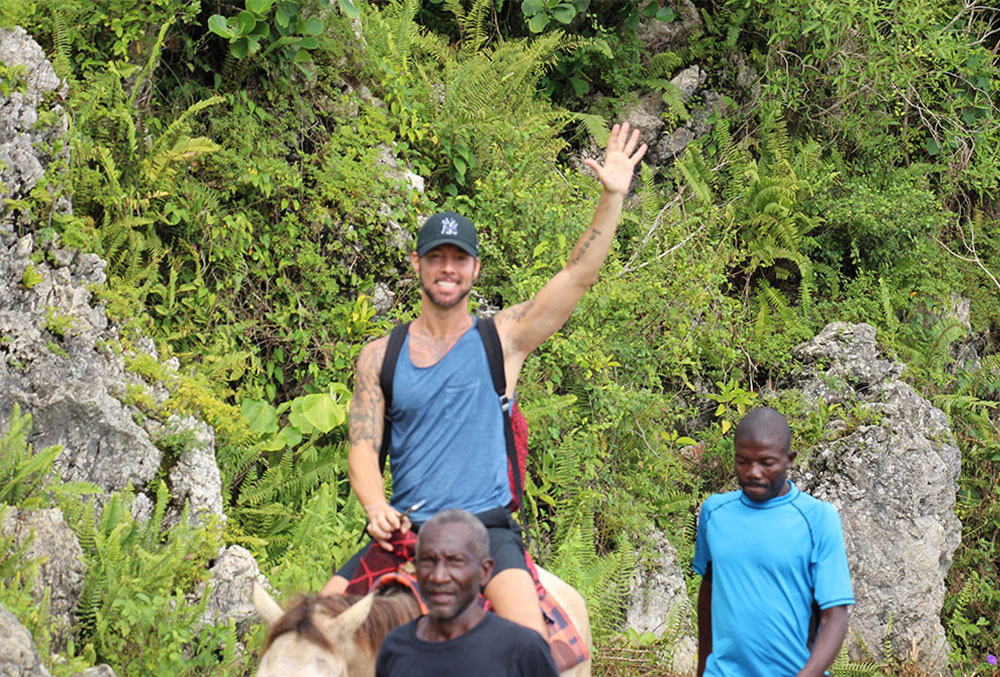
(340, 636)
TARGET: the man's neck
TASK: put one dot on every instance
(437, 323)
(430, 629)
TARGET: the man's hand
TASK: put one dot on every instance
(619, 160)
(383, 519)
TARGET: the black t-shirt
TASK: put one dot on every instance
(495, 647)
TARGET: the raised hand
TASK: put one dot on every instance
(619, 160)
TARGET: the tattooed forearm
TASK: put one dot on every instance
(582, 247)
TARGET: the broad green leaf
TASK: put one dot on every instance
(538, 22)
(301, 56)
(563, 13)
(291, 435)
(313, 27)
(321, 411)
(686, 441)
(285, 13)
(260, 31)
(259, 7)
(275, 443)
(308, 43)
(298, 419)
(666, 14)
(217, 24)
(531, 7)
(260, 416)
(245, 23)
(649, 10)
(349, 9)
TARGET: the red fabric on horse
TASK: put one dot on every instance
(377, 561)
(519, 426)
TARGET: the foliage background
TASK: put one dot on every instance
(228, 170)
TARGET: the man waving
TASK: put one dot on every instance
(447, 439)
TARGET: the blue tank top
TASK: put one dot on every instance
(448, 443)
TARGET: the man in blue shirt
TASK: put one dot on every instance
(775, 583)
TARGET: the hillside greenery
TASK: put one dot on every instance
(228, 161)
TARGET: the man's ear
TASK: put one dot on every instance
(415, 262)
(791, 456)
(475, 273)
(486, 569)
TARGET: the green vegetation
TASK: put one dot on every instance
(227, 162)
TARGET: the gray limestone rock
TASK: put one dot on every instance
(658, 603)
(27, 148)
(18, 656)
(61, 569)
(688, 81)
(383, 298)
(230, 581)
(195, 478)
(891, 469)
(102, 670)
(663, 36)
(388, 159)
(53, 365)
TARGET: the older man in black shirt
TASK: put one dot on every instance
(457, 638)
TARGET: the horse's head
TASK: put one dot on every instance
(316, 636)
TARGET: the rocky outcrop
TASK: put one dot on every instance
(891, 467)
(18, 656)
(97, 671)
(194, 479)
(664, 36)
(649, 114)
(61, 570)
(229, 587)
(27, 148)
(56, 363)
(658, 603)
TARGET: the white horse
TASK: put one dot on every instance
(340, 636)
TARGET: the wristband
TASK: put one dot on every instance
(369, 508)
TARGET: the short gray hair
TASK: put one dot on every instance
(480, 540)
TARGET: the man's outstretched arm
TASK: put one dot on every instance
(523, 327)
(829, 637)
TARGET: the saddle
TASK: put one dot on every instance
(381, 568)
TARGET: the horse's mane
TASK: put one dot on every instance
(388, 611)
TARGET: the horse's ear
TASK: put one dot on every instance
(267, 608)
(339, 628)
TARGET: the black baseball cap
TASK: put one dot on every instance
(448, 228)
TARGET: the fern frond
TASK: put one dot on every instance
(671, 96)
(696, 174)
(61, 62)
(595, 125)
(663, 65)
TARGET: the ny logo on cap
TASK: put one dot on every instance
(449, 226)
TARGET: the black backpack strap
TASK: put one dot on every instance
(494, 356)
(385, 377)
